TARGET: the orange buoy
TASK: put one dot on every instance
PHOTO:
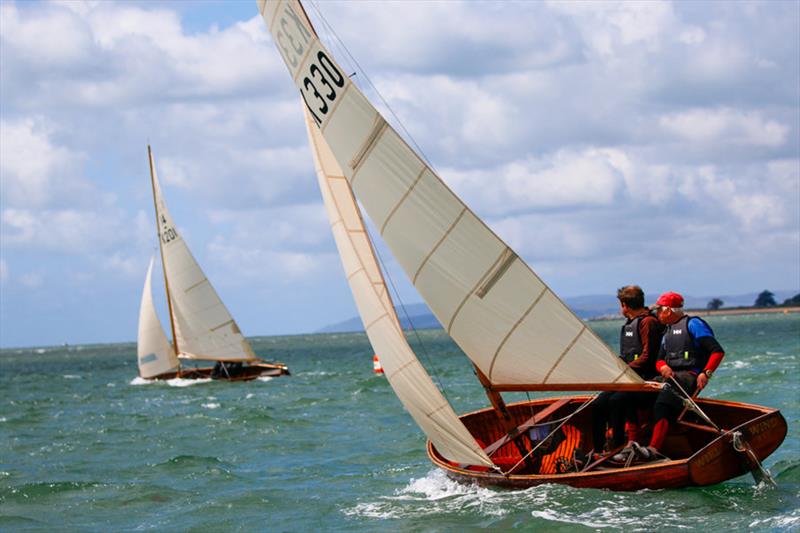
(376, 365)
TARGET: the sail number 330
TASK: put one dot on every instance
(321, 80)
(325, 77)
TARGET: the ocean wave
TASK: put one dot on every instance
(264, 378)
(212, 405)
(72, 376)
(138, 380)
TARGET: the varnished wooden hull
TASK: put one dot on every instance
(700, 457)
(246, 373)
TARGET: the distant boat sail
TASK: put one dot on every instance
(515, 330)
(154, 352)
(202, 327)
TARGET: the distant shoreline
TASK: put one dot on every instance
(784, 309)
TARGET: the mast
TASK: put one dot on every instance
(161, 249)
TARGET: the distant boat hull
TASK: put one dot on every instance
(246, 373)
(701, 456)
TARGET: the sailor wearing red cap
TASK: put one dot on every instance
(689, 354)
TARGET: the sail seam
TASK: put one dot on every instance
(513, 329)
(367, 326)
(335, 106)
(186, 291)
(303, 60)
(353, 273)
(403, 199)
(439, 243)
(274, 15)
(564, 353)
(403, 367)
(221, 325)
(466, 296)
(395, 320)
(378, 127)
(442, 406)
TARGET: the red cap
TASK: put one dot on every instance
(670, 299)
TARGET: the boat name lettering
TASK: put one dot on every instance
(292, 39)
(763, 426)
(712, 454)
(325, 73)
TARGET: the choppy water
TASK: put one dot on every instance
(84, 446)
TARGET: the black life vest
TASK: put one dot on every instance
(630, 342)
(681, 352)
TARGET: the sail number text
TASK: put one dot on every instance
(322, 76)
(168, 235)
(321, 81)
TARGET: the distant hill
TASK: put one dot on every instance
(586, 307)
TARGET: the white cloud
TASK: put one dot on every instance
(728, 126)
(34, 172)
(590, 177)
(66, 231)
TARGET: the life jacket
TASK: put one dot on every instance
(681, 352)
(630, 342)
(559, 460)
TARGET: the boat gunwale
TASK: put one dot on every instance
(497, 478)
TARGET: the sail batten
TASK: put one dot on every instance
(499, 312)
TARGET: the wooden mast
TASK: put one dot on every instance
(499, 405)
(163, 263)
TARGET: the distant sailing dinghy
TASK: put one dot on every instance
(517, 333)
(202, 327)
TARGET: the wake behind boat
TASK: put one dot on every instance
(202, 327)
(517, 333)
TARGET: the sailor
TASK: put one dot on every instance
(639, 341)
(689, 355)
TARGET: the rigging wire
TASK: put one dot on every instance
(338, 43)
(383, 100)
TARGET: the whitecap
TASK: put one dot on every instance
(740, 364)
(138, 380)
(71, 376)
(181, 382)
(265, 378)
(211, 405)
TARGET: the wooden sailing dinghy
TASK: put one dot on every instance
(202, 327)
(517, 333)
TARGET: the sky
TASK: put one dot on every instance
(608, 143)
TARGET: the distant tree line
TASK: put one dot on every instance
(765, 299)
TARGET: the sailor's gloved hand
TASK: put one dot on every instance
(666, 372)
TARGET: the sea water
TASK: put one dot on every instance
(85, 445)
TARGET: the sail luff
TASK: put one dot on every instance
(409, 379)
(161, 251)
(447, 251)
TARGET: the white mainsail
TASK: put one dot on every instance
(154, 353)
(203, 327)
(408, 377)
(507, 321)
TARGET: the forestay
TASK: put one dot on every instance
(204, 329)
(507, 321)
(154, 353)
(408, 377)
